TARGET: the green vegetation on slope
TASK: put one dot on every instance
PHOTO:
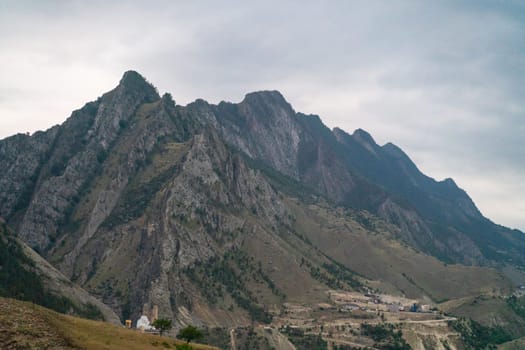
(231, 274)
(385, 336)
(517, 304)
(477, 336)
(219, 337)
(491, 311)
(19, 280)
(282, 182)
(304, 341)
(335, 276)
(248, 339)
(136, 199)
(341, 273)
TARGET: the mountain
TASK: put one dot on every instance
(437, 217)
(220, 214)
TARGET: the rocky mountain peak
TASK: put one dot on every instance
(450, 183)
(363, 136)
(132, 77)
(395, 151)
(133, 82)
(168, 98)
(265, 95)
(340, 134)
(266, 101)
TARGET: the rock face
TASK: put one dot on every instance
(201, 209)
(436, 217)
(72, 158)
(22, 158)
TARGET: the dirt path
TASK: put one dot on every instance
(353, 323)
(232, 339)
(446, 319)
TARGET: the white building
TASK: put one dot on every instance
(143, 323)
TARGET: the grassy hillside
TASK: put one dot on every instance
(491, 311)
(27, 326)
(517, 344)
(368, 246)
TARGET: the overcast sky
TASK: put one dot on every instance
(444, 80)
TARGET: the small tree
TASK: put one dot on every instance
(189, 333)
(162, 324)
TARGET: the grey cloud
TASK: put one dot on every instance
(443, 80)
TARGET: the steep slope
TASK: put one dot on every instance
(219, 214)
(55, 173)
(265, 127)
(22, 157)
(450, 215)
(25, 275)
(436, 217)
(195, 205)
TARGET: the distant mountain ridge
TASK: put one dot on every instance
(207, 210)
(437, 217)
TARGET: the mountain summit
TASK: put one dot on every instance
(134, 82)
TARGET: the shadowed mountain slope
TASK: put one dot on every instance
(27, 276)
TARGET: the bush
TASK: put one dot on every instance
(385, 336)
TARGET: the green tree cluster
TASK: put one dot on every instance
(162, 325)
(189, 333)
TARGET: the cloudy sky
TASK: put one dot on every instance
(444, 80)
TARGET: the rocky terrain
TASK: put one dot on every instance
(219, 214)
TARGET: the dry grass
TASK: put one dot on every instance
(24, 325)
(397, 266)
(489, 311)
(518, 344)
(99, 335)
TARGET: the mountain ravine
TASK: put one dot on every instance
(221, 214)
